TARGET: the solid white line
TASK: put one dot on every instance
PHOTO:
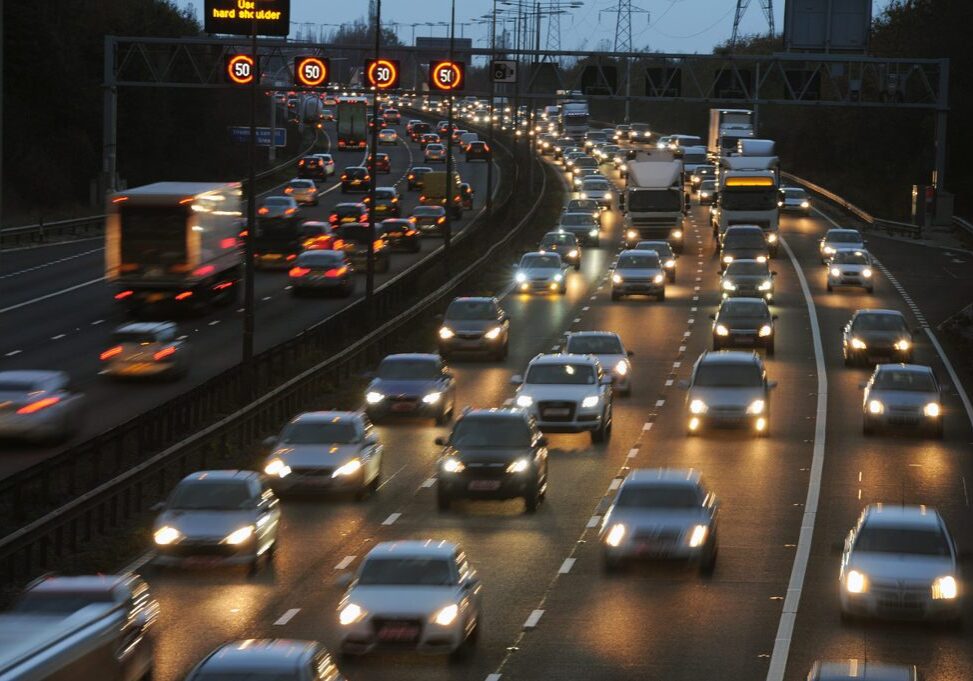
(97, 322)
(646, 426)
(533, 619)
(788, 616)
(566, 566)
(493, 677)
(614, 484)
(12, 353)
(51, 295)
(593, 521)
(58, 336)
(52, 262)
(428, 482)
(952, 374)
(344, 562)
(632, 453)
(392, 518)
(287, 617)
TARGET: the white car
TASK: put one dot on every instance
(39, 406)
(146, 350)
(611, 353)
(541, 273)
(837, 238)
(423, 595)
(328, 160)
(851, 267)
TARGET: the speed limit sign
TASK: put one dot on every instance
(382, 74)
(240, 69)
(311, 71)
(447, 75)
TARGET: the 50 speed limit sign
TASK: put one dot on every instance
(240, 69)
(382, 74)
(310, 71)
(447, 75)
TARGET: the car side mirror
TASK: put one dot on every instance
(448, 375)
(158, 507)
(683, 384)
(773, 273)
(269, 442)
(713, 317)
(863, 384)
(771, 384)
(542, 441)
(441, 441)
(516, 379)
(630, 353)
(344, 579)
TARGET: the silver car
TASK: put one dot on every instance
(328, 161)
(303, 191)
(851, 267)
(728, 388)
(903, 395)
(584, 225)
(748, 278)
(146, 350)
(278, 659)
(607, 347)
(836, 238)
(39, 406)
(567, 394)
(638, 273)
(661, 513)
(541, 273)
(217, 518)
(325, 451)
(665, 253)
(423, 595)
(795, 200)
(900, 562)
(597, 189)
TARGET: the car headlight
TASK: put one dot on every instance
(167, 535)
(373, 397)
(349, 468)
(615, 535)
(621, 368)
(761, 258)
(669, 264)
(867, 273)
(631, 234)
(518, 466)
(524, 401)
(593, 233)
(617, 278)
(875, 407)
(727, 259)
(590, 401)
(902, 345)
(520, 277)
(729, 286)
(446, 333)
(835, 272)
(756, 407)
(722, 330)
(608, 195)
(932, 409)
(583, 195)
(493, 333)
(805, 204)
(239, 536)
(277, 467)
(698, 536)
(622, 166)
(658, 279)
(573, 253)
(856, 582)
(765, 285)
(945, 588)
(771, 238)
(453, 465)
(765, 330)
(698, 407)
(677, 234)
(431, 398)
(829, 250)
(350, 614)
(558, 277)
(858, 344)
(446, 616)
(704, 195)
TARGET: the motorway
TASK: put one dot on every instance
(57, 311)
(549, 610)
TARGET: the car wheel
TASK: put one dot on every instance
(870, 289)
(672, 277)
(849, 361)
(830, 287)
(532, 500)
(577, 266)
(604, 431)
(443, 502)
(563, 289)
(253, 567)
(296, 292)
(442, 418)
(616, 296)
(868, 427)
(662, 297)
(609, 564)
(937, 430)
(708, 564)
(717, 345)
(770, 349)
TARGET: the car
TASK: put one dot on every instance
(303, 191)
(492, 454)
(467, 138)
(400, 234)
(545, 143)
(567, 394)
(356, 237)
(661, 513)
(564, 244)
(392, 116)
(387, 202)
(728, 388)
(598, 189)
(429, 219)
(837, 238)
(346, 213)
(146, 350)
(621, 132)
(328, 161)
(700, 174)
(640, 132)
(474, 324)
(355, 178)
(851, 267)
(748, 278)
(906, 395)
(795, 200)
(435, 153)
(900, 562)
(744, 321)
(217, 517)
(638, 273)
(388, 136)
(584, 163)
(443, 128)
(707, 192)
(325, 452)
(382, 123)
(584, 206)
(580, 174)
(607, 347)
(279, 659)
(466, 194)
(861, 670)
(319, 270)
(572, 154)
(872, 335)
(665, 253)
(478, 150)
(664, 142)
(410, 125)
(411, 384)
(429, 138)
(311, 167)
(593, 136)
(278, 207)
(421, 595)
(38, 406)
(585, 227)
(319, 236)
(541, 273)
(414, 178)
(382, 163)
(743, 242)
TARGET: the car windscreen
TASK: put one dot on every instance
(912, 541)
(301, 184)
(133, 337)
(347, 211)
(586, 162)
(355, 172)
(409, 369)
(406, 572)
(354, 231)
(849, 258)
(660, 247)
(747, 269)
(581, 205)
(643, 260)
(577, 219)
(657, 496)
(37, 602)
(728, 375)
(320, 259)
(655, 201)
(500, 433)
(594, 345)
(749, 198)
(567, 373)
(745, 240)
(471, 309)
(210, 495)
(277, 202)
(708, 185)
(879, 322)
(565, 239)
(428, 211)
(913, 381)
(843, 237)
(743, 309)
(795, 193)
(539, 261)
(328, 432)
(14, 386)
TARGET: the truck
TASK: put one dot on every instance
(312, 111)
(175, 244)
(434, 192)
(655, 206)
(573, 118)
(749, 194)
(352, 123)
(726, 127)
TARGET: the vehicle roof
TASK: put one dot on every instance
(356, 168)
(878, 311)
(220, 475)
(430, 548)
(729, 357)
(75, 583)
(496, 413)
(351, 204)
(327, 416)
(591, 334)
(32, 375)
(412, 356)
(689, 477)
(909, 368)
(641, 253)
(474, 299)
(144, 327)
(259, 655)
(893, 515)
(835, 230)
(564, 358)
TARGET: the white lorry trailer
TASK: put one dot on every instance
(655, 206)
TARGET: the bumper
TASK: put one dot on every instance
(749, 339)
(435, 228)
(323, 483)
(849, 281)
(468, 486)
(739, 420)
(540, 286)
(579, 423)
(906, 420)
(353, 187)
(204, 555)
(139, 369)
(879, 355)
(648, 549)
(638, 288)
(322, 284)
(905, 606)
(413, 634)
(277, 261)
(31, 426)
(481, 344)
(403, 407)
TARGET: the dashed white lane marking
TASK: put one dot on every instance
(576, 320)
(682, 348)
(493, 677)
(593, 521)
(695, 297)
(614, 484)
(660, 403)
(58, 336)
(687, 333)
(676, 365)
(392, 518)
(12, 353)
(214, 322)
(51, 295)
(428, 482)
(691, 320)
(533, 619)
(344, 562)
(287, 617)
(566, 566)
(632, 453)
(52, 262)
(97, 322)
(585, 308)
(668, 382)
(266, 298)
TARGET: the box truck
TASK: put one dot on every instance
(726, 127)
(655, 206)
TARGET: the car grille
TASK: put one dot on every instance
(657, 536)
(728, 412)
(313, 472)
(403, 399)
(903, 415)
(559, 410)
(900, 596)
(469, 335)
(397, 632)
(188, 548)
(480, 471)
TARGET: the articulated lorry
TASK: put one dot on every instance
(175, 244)
(726, 128)
(655, 207)
(573, 118)
(749, 194)
(352, 124)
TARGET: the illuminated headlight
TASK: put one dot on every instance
(698, 407)
(727, 259)
(704, 195)
(453, 466)
(771, 238)
(932, 410)
(695, 178)
(615, 535)
(350, 614)
(446, 333)
(546, 145)
(761, 258)
(765, 285)
(573, 253)
(856, 582)
(520, 277)
(765, 330)
(239, 536)
(167, 535)
(867, 273)
(622, 166)
(617, 279)
(698, 536)
(621, 368)
(277, 467)
(590, 401)
(722, 330)
(657, 279)
(677, 234)
(349, 468)
(592, 233)
(858, 344)
(945, 588)
(631, 234)
(835, 272)
(373, 397)
(493, 333)
(584, 195)
(518, 466)
(558, 277)
(756, 407)
(608, 195)
(875, 407)
(447, 615)
(902, 345)
(431, 398)
(669, 264)
(524, 401)
(805, 204)
(729, 286)
(829, 250)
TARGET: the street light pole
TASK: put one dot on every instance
(450, 188)
(493, 96)
(248, 314)
(373, 148)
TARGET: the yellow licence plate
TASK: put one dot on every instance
(137, 368)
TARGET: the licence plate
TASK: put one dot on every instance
(398, 632)
(395, 234)
(154, 297)
(201, 561)
(557, 411)
(271, 256)
(403, 406)
(484, 485)
(654, 549)
(137, 368)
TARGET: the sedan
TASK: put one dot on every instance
(837, 238)
(382, 163)
(328, 161)
(597, 189)
(607, 347)
(277, 208)
(661, 513)
(355, 178)
(874, 335)
(744, 321)
(39, 406)
(749, 278)
(347, 213)
(400, 234)
(411, 384)
(277, 659)
(429, 219)
(851, 267)
(388, 136)
(429, 138)
(906, 395)
(387, 202)
(222, 517)
(327, 452)
(707, 192)
(541, 273)
(414, 178)
(795, 200)
(664, 250)
(356, 237)
(584, 206)
(478, 150)
(564, 244)
(435, 153)
(303, 191)
(319, 271)
(147, 350)
(728, 388)
(474, 324)
(584, 225)
(638, 273)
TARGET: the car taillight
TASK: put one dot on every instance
(333, 218)
(111, 352)
(410, 232)
(298, 271)
(229, 242)
(122, 295)
(290, 211)
(441, 220)
(486, 147)
(378, 245)
(343, 177)
(337, 272)
(38, 405)
(184, 295)
(163, 353)
(263, 210)
(422, 197)
(367, 177)
(288, 190)
(204, 270)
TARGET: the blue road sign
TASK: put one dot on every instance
(241, 133)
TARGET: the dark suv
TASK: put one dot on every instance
(474, 324)
(478, 150)
(354, 178)
(311, 168)
(493, 454)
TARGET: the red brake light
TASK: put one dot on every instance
(298, 271)
(123, 294)
(290, 211)
(333, 217)
(243, 234)
(288, 190)
(38, 405)
(422, 197)
(204, 270)
(228, 243)
(163, 353)
(111, 352)
(184, 295)
(486, 147)
(378, 245)
(336, 272)
(441, 220)
(263, 210)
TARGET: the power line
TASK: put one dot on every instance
(768, 9)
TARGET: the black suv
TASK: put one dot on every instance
(478, 150)
(354, 178)
(474, 324)
(311, 168)
(493, 454)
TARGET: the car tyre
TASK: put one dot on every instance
(610, 565)
(603, 432)
(868, 428)
(708, 564)
(937, 430)
(532, 499)
(770, 349)
(616, 296)
(849, 361)
(830, 287)
(577, 266)
(662, 297)
(443, 502)
(672, 277)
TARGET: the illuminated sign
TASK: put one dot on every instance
(244, 17)
(240, 69)
(447, 75)
(749, 182)
(311, 71)
(382, 74)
